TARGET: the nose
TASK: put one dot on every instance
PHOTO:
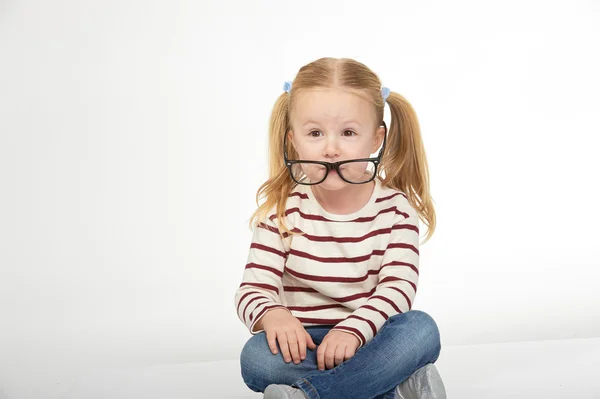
(332, 149)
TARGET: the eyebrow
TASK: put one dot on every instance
(345, 123)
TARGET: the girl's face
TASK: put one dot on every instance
(334, 125)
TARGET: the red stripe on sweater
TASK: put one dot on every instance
(390, 197)
(265, 309)
(244, 296)
(381, 312)
(374, 233)
(263, 267)
(302, 215)
(354, 297)
(403, 245)
(312, 237)
(371, 218)
(405, 296)
(289, 288)
(334, 259)
(319, 321)
(256, 307)
(249, 302)
(297, 194)
(388, 300)
(369, 322)
(301, 254)
(398, 263)
(394, 278)
(323, 219)
(273, 229)
(261, 285)
(268, 249)
(405, 226)
(332, 279)
(314, 308)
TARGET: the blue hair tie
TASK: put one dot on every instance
(287, 86)
(385, 92)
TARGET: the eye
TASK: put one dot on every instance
(349, 133)
(314, 133)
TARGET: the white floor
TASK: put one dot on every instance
(568, 369)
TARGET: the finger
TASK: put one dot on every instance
(349, 352)
(329, 356)
(301, 344)
(321, 356)
(283, 344)
(311, 344)
(293, 344)
(271, 336)
(340, 352)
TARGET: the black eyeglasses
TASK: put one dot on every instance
(353, 171)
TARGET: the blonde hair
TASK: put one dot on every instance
(404, 163)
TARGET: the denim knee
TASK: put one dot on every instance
(260, 367)
(425, 322)
(425, 329)
(254, 353)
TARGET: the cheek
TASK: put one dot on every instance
(358, 150)
(307, 151)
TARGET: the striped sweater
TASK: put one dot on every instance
(350, 272)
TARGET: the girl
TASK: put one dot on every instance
(333, 266)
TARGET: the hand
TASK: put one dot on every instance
(337, 347)
(279, 324)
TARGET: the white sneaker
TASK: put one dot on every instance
(281, 391)
(425, 383)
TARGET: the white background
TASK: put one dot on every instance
(133, 137)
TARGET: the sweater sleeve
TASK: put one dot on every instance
(398, 279)
(262, 284)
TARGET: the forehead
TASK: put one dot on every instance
(332, 105)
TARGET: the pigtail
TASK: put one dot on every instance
(405, 162)
(276, 189)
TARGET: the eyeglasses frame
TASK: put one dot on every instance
(335, 165)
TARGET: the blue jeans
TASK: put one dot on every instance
(405, 343)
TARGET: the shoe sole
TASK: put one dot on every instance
(425, 383)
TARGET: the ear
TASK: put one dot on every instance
(290, 140)
(378, 139)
